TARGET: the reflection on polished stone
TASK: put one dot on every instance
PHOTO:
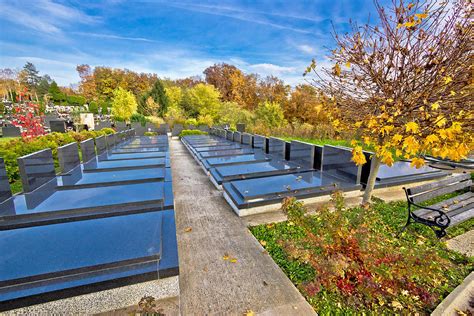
(87, 150)
(36, 169)
(68, 156)
(5, 190)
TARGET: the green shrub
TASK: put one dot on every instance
(93, 107)
(75, 100)
(150, 134)
(186, 132)
(10, 151)
(140, 118)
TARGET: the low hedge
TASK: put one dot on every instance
(10, 151)
(186, 132)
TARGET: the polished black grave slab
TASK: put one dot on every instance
(223, 153)
(77, 178)
(83, 256)
(95, 165)
(51, 205)
(36, 169)
(249, 193)
(235, 160)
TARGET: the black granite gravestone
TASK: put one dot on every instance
(100, 144)
(230, 135)
(305, 154)
(177, 128)
(5, 190)
(87, 149)
(237, 137)
(68, 156)
(58, 126)
(36, 169)
(240, 127)
(246, 138)
(337, 161)
(277, 147)
(110, 140)
(11, 131)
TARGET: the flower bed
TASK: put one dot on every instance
(349, 260)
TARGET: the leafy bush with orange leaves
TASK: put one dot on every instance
(349, 260)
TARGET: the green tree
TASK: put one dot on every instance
(232, 113)
(158, 95)
(204, 99)
(123, 104)
(271, 114)
(56, 95)
(30, 76)
(93, 107)
(43, 85)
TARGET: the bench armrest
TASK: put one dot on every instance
(442, 219)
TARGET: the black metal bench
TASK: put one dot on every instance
(446, 213)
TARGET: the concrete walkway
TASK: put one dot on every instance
(223, 269)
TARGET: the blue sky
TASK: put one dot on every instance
(172, 39)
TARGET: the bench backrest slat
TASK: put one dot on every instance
(438, 184)
(440, 190)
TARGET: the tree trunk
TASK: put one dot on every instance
(374, 170)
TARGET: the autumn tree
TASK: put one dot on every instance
(160, 100)
(270, 114)
(219, 76)
(203, 99)
(87, 84)
(244, 89)
(405, 85)
(305, 106)
(123, 104)
(273, 89)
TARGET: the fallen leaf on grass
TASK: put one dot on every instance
(233, 260)
(249, 313)
(263, 243)
(225, 257)
(188, 229)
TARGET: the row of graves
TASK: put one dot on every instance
(256, 173)
(105, 222)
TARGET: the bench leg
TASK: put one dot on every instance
(440, 233)
(404, 227)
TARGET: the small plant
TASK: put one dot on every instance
(147, 307)
(150, 134)
(187, 132)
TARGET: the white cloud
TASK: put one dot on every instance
(306, 49)
(44, 16)
(115, 37)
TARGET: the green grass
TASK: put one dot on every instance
(321, 142)
(385, 220)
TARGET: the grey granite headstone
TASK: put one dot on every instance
(247, 138)
(163, 129)
(49, 118)
(68, 156)
(177, 128)
(36, 169)
(11, 131)
(338, 162)
(240, 127)
(100, 144)
(203, 128)
(303, 153)
(230, 135)
(87, 149)
(5, 190)
(277, 147)
(110, 140)
(259, 142)
(237, 137)
(139, 129)
(191, 126)
(103, 124)
(58, 126)
(120, 126)
(150, 127)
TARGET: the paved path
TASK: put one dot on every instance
(208, 283)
